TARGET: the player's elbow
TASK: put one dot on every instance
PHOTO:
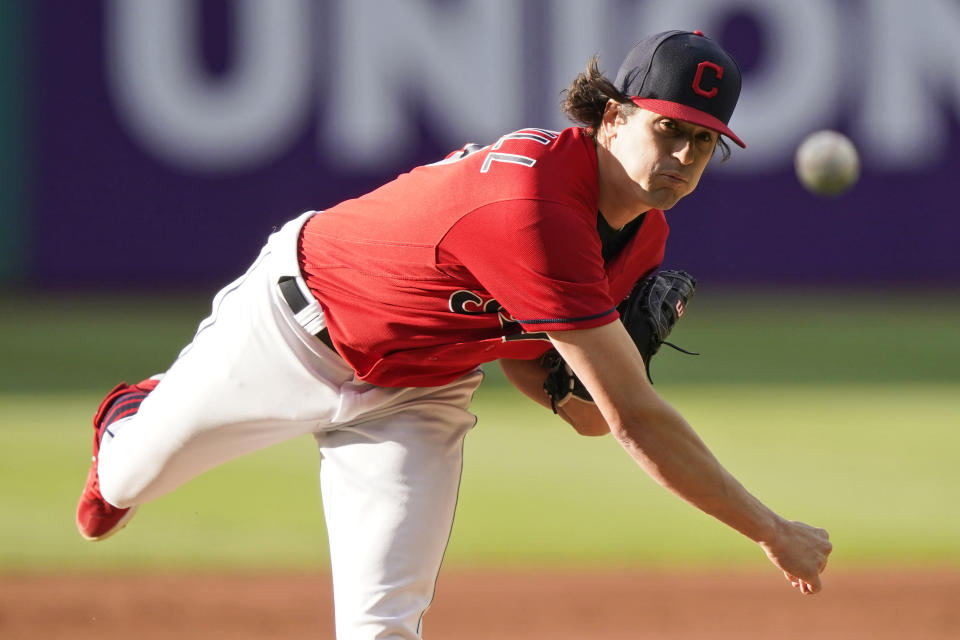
(633, 428)
(592, 428)
(623, 434)
(649, 427)
(584, 417)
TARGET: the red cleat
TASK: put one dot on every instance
(96, 518)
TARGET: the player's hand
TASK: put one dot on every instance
(801, 552)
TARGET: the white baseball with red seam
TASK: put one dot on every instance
(827, 163)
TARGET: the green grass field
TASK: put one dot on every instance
(844, 415)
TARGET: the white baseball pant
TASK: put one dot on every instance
(255, 375)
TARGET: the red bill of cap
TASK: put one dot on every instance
(687, 114)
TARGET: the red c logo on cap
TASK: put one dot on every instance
(698, 79)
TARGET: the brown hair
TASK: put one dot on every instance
(585, 100)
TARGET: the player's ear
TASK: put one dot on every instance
(613, 117)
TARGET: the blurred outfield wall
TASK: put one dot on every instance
(12, 152)
(165, 139)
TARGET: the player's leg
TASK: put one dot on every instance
(389, 494)
(251, 378)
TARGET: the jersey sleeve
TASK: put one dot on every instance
(540, 260)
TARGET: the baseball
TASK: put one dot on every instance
(827, 163)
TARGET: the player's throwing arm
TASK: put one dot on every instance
(658, 438)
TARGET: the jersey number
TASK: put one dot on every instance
(543, 136)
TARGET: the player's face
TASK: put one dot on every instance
(662, 159)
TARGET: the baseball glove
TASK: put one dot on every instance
(648, 314)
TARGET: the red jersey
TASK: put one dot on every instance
(471, 259)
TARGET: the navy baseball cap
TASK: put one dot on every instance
(683, 75)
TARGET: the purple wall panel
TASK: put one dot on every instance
(109, 211)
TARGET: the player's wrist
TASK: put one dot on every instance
(771, 532)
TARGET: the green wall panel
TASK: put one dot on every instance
(12, 151)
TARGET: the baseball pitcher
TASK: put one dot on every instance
(366, 325)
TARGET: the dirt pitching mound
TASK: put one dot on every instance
(507, 605)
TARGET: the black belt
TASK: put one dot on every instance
(298, 302)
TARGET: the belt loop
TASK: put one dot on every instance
(306, 309)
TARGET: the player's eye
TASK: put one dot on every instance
(669, 125)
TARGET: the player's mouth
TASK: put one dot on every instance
(674, 178)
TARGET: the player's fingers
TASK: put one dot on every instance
(806, 587)
(793, 580)
(813, 586)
